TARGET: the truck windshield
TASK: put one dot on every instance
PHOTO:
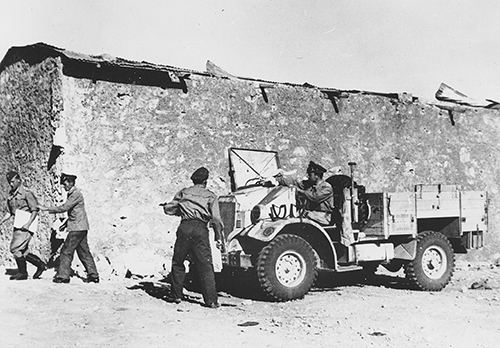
(248, 167)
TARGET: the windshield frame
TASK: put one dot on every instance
(235, 152)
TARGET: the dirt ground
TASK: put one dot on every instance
(345, 311)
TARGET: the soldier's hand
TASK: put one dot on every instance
(278, 173)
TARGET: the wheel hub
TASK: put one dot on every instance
(434, 262)
(290, 268)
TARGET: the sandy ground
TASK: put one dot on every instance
(346, 311)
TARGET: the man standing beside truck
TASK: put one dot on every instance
(196, 206)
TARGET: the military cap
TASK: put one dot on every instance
(200, 175)
(11, 174)
(69, 177)
(315, 168)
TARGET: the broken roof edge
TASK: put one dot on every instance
(40, 51)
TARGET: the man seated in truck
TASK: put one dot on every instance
(314, 194)
(316, 197)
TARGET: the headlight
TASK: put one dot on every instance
(256, 214)
(268, 231)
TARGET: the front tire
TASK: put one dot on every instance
(432, 268)
(286, 268)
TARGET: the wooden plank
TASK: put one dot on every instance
(401, 215)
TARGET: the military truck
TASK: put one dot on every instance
(267, 232)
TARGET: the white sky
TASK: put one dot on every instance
(384, 45)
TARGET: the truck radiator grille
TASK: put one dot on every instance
(227, 209)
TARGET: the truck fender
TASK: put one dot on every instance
(405, 250)
(266, 230)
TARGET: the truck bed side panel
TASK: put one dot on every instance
(401, 219)
(434, 203)
(473, 211)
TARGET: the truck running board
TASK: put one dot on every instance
(348, 268)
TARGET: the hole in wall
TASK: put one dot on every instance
(450, 114)
(264, 94)
(55, 151)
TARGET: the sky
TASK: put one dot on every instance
(373, 45)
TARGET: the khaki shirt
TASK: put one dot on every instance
(196, 203)
(75, 206)
(22, 199)
(319, 197)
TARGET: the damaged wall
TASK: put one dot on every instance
(30, 102)
(133, 147)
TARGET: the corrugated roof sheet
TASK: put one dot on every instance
(116, 69)
(77, 65)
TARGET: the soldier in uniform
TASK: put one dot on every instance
(77, 226)
(196, 206)
(315, 194)
(23, 199)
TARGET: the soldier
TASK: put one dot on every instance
(77, 226)
(22, 199)
(315, 194)
(196, 206)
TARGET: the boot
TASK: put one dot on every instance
(40, 265)
(21, 274)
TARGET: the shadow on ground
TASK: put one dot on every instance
(245, 284)
(10, 271)
(329, 280)
(162, 291)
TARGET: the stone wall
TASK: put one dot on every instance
(133, 147)
(29, 107)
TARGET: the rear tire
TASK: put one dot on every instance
(432, 268)
(286, 268)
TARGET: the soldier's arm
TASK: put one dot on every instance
(70, 203)
(216, 219)
(288, 180)
(172, 207)
(321, 194)
(7, 214)
(33, 205)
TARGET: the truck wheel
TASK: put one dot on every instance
(286, 267)
(432, 268)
